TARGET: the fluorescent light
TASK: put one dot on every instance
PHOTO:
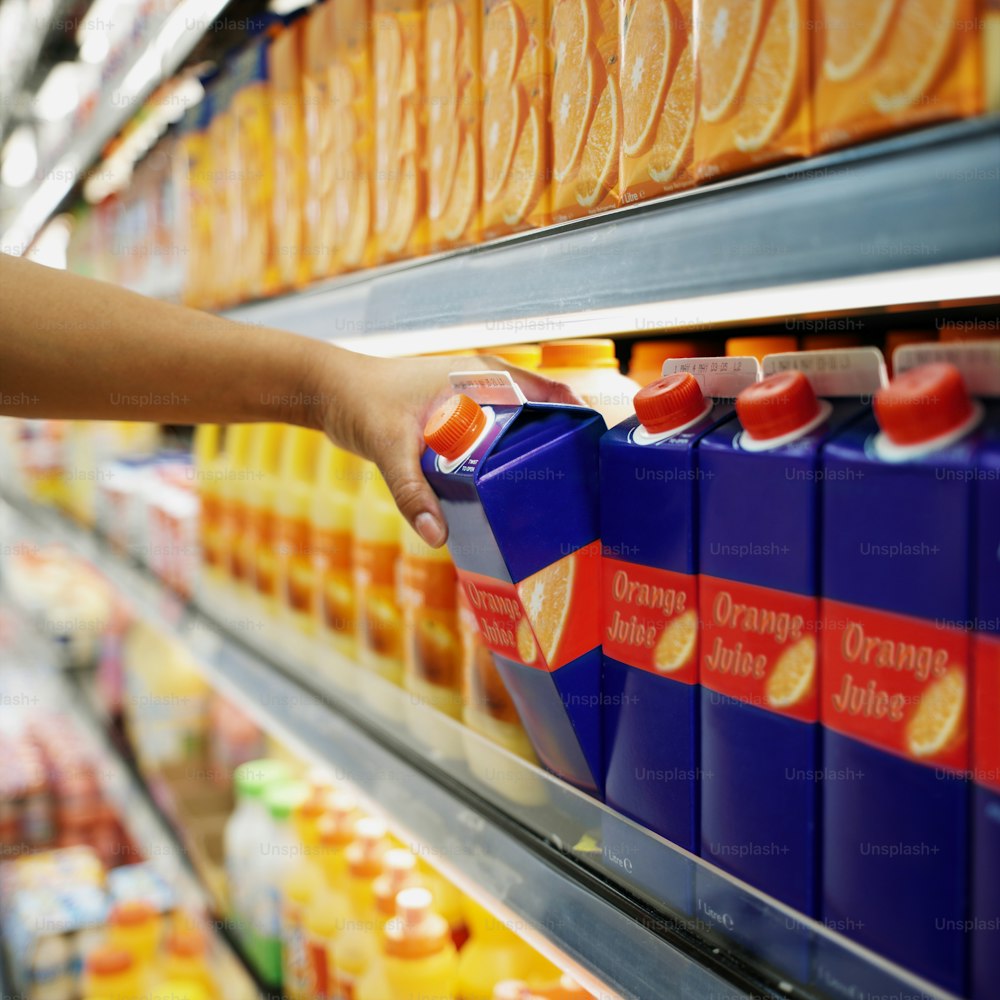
(20, 158)
(59, 94)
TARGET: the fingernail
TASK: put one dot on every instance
(430, 529)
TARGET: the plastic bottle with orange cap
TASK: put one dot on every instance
(899, 686)
(649, 516)
(420, 957)
(590, 368)
(760, 481)
(111, 972)
(645, 363)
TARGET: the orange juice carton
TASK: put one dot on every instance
(586, 113)
(518, 485)
(659, 99)
(752, 62)
(453, 100)
(287, 207)
(223, 287)
(352, 94)
(881, 67)
(319, 223)
(254, 173)
(896, 652)
(514, 68)
(400, 123)
(649, 480)
(989, 10)
(758, 563)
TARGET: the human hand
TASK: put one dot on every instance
(380, 410)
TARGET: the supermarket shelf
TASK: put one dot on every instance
(157, 57)
(908, 221)
(582, 883)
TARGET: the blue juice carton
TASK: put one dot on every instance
(649, 481)
(518, 483)
(759, 566)
(899, 494)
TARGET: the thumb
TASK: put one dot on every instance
(411, 491)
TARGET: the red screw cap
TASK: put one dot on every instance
(777, 405)
(923, 404)
(669, 402)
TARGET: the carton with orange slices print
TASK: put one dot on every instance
(752, 64)
(759, 562)
(451, 87)
(518, 485)
(885, 65)
(400, 121)
(659, 102)
(585, 118)
(515, 78)
(898, 496)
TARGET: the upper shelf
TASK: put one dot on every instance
(911, 220)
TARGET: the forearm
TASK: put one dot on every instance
(75, 348)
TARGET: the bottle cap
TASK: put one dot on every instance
(366, 851)
(336, 825)
(132, 913)
(416, 931)
(255, 775)
(398, 873)
(669, 402)
(107, 960)
(591, 352)
(454, 426)
(186, 942)
(523, 355)
(777, 405)
(923, 404)
(757, 347)
(283, 798)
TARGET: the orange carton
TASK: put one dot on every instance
(882, 65)
(515, 148)
(752, 63)
(586, 113)
(451, 88)
(991, 53)
(658, 98)
(400, 120)
(288, 215)
(352, 91)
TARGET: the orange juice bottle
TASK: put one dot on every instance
(111, 972)
(335, 830)
(377, 532)
(134, 926)
(236, 484)
(399, 872)
(186, 958)
(515, 70)
(319, 226)
(324, 919)
(586, 114)
(400, 120)
(353, 955)
(590, 367)
(451, 89)
(296, 586)
(352, 96)
(752, 64)
(659, 103)
(262, 520)
(364, 856)
(882, 67)
(291, 265)
(523, 355)
(209, 462)
(298, 890)
(420, 958)
(645, 364)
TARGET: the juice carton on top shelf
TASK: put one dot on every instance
(400, 122)
(287, 207)
(352, 93)
(990, 12)
(451, 88)
(649, 482)
(195, 195)
(223, 140)
(518, 485)
(898, 498)
(880, 67)
(759, 566)
(586, 114)
(517, 169)
(254, 176)
(319, 225)
(752, 60)
(659, 100)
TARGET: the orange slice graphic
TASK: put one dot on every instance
(404, 206)
(676, 129)
(646, 61)
(727, 33)
(546, 596)
(573, 92)
(527, 648)
(443, 141)
(441, 47)
(852, 31)
(388, 53)
(599, 166)
(939, 718)
(793, 675)
(572, 29)
(462, 202)
(503, 113)
(676, 644)
(524, 186)
(504, 38)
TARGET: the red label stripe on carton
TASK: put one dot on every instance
(758, 645)
(651, 619)
(548, 619)
(986, 722)
(896, 682)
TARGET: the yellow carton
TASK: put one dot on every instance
(451, 88)
(659, 101)
(752, 63)
(517, 169)
(400, 181)
(586, 114)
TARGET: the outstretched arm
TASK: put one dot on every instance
(75, 348)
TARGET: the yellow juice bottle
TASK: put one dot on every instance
(298, 890)
(134, 926)
(523, 355)
(451, 87)
(325, 918)
(364, 856)
(262, 521)
(399, 872)
(209, 461)
(335, 830)
(186, 959)
(111, 972)
(236, 483)
(378, 529)
(353, 955)
(421, 961)
(400, 122)
(294, 505)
